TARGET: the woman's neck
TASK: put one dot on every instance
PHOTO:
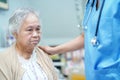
(24, 52)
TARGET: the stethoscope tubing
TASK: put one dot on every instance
(99, 17)
(94, 40)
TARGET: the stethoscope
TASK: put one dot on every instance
(94, 40)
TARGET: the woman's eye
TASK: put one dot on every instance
(38, 29)
(29, 30)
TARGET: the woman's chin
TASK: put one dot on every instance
(33, 45)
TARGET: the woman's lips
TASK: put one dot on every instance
(35, 42)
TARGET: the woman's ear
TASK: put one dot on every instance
(15, 34)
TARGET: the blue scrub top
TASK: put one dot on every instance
(102, 62)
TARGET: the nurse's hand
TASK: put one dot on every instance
(49, 50)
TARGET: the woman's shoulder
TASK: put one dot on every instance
(4, 52)
(37, 49)
(4, 58)
(5, 55)
(42, 53)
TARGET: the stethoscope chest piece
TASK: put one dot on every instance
(94, 41)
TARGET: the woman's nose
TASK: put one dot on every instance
(35, 33)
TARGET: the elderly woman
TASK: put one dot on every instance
(24, 60)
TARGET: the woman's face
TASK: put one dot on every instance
(29, 33)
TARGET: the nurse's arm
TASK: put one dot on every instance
(72, 45)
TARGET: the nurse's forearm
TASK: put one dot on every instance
(72, 45)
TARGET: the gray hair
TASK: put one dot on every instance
(18, 17)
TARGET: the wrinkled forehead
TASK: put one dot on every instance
(31, 21)
(31, 17)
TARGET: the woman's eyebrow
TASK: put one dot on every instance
(38, 26)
